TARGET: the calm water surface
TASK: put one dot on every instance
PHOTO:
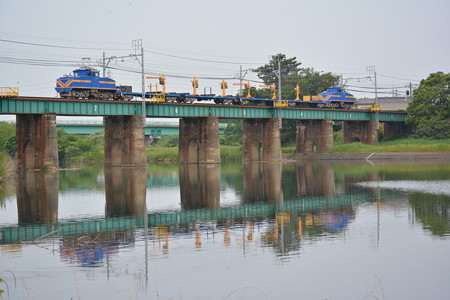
(256, 231)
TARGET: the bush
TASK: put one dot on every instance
(168, 141)
(79, 149)
(3, 168)
(158, 153)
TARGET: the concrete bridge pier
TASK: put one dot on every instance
(199, 141)
(261, 140)
(361, 131)
(314, 136)
(36, 142)
(124, 141)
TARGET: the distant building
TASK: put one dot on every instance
(387, 103)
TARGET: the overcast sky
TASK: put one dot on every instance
(405, 40)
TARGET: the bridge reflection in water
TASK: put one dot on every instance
(281, 223)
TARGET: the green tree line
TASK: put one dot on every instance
(429, 111)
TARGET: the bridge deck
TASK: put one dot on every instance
(76, 107)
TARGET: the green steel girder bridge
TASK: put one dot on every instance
(31, 233)
(89, 127)
(75, 107)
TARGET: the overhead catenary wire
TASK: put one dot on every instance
(126, 49)
(58, 46)
(204, 60)
(411, 80)
(227, 74)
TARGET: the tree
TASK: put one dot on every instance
(289, 67)
(233, 133)
(429, 111)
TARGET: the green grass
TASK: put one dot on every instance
(6, 163)
(402, 145)
(170, 154)
(155, 153)
(2, 165)
(231, 153)
(288, 149)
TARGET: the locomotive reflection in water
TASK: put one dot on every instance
(86, 83)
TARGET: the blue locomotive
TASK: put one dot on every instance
(86, 83)
(335, 98)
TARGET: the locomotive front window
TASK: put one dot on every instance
(89, 74)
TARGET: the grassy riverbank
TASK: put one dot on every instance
(170, 154)
(234, 153)
(401, 145)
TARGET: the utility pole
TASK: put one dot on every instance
(104, 65)
(137, 45)
(371, 69)
(280, 111)
(240, 80)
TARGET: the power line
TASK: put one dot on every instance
(203, 60)
(56, 46)
(359, 91)
(148, 51)
(397, 78)
(371, 87)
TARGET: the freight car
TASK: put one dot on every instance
(86, 83)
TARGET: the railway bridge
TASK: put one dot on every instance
(198, 128)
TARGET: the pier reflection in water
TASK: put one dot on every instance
(125, 190)
(262, 182)
(315, 180)
(286, 209)
(200, 186)
(37, 197)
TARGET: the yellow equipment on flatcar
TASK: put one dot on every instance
(9, 91)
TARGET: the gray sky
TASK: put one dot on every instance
(405, 40)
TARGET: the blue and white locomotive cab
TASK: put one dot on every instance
(86, 83)
(337, 97)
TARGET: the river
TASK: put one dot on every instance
(230, 231)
